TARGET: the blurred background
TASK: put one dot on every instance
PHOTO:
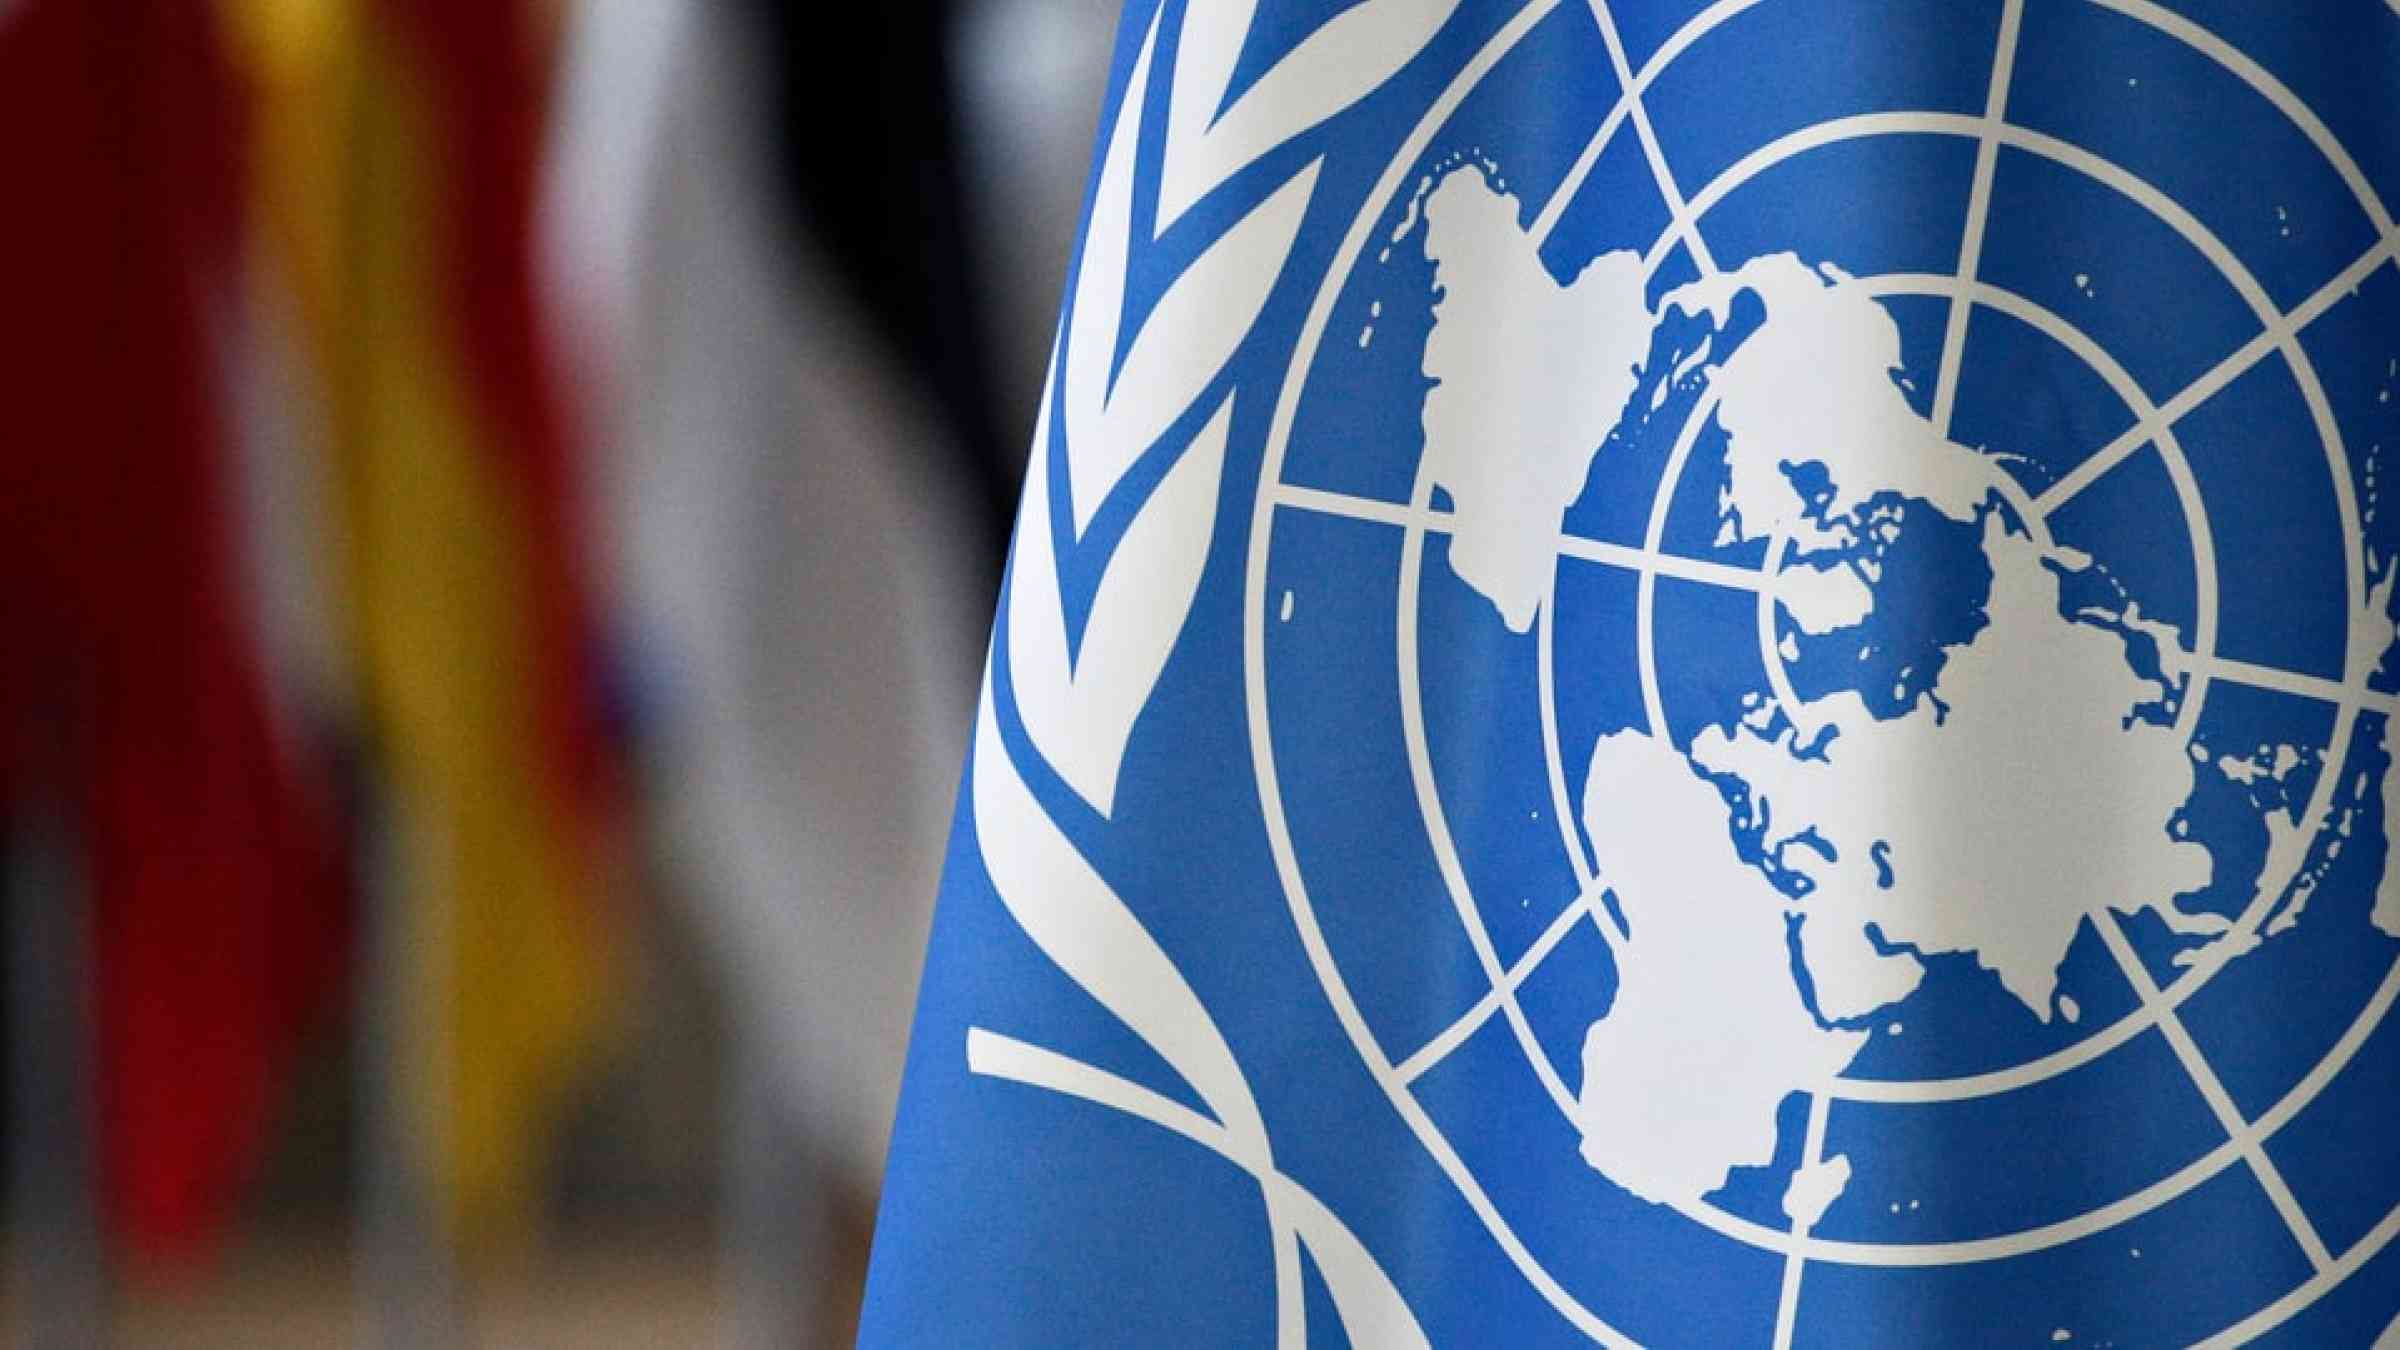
(498, 524)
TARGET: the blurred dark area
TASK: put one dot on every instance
(500, 523)
(888, 205)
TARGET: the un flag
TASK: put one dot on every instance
(1692, 675)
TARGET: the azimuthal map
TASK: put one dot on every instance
(1978, 780)
(1691, 673)
(1900, 791)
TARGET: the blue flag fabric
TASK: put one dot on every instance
(1691, 675)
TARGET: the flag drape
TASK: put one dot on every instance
(136, 700)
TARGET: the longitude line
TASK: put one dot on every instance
(2212, 1089)
(2300, 684)
(1979, 210)
(2220, 375)
(1449, 1038)
(1677, 208)
(1563, 195)
(1812, 1151)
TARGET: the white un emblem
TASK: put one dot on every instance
(1818, 630)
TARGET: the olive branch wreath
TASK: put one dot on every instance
(1078, 711)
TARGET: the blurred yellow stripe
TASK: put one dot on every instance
(434, 557)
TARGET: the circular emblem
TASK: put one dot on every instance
(1814, 671)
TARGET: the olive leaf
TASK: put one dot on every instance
(1081, 924)
(1334, 67)
(1081, 713)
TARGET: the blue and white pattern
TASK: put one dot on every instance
(1692, 675)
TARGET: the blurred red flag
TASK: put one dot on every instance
(136, 699)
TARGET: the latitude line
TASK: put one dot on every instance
(2262, 82)
(1319, 501)
(2244, 1135)
(1347, 1012)
(1812, 1152)
(1449, 1038)
(1679, 212)
(1563, 195)
(2362, 1248)
(1698, 26)
(1979, 210)
(1435, 1142)
(2225, 372)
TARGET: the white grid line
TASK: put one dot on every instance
(1979, 209)
(1812, 1152)
(1436, 1050)
(1625, 557)
(2246, 1136)
(1677, 209)
(2225, 372)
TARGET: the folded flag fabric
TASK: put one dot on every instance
(469, 570)
(399, 147)
(1692, 675)
(140, 708)
(264, 244)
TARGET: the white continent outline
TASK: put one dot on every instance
(2348, 695)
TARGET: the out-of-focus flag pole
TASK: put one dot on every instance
(307, 76)
(464, 563)
(610, 186)
(776, 1233)
(407, 1285)
(56, 1278)
(720, 422)
(206, 860)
